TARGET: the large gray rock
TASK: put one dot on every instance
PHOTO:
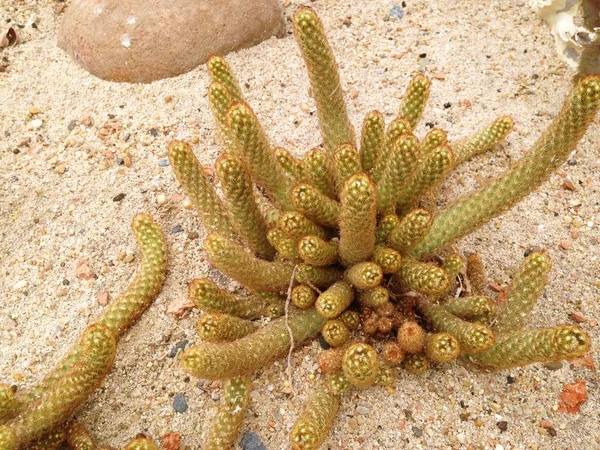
(146, 40)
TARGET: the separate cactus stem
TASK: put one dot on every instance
(442, 347)
(524, 290)
(141, 443)
(316, 170)
(387, 223)
(392, 354)
(334, 301)
(320, 277)
(286, 246)
(546, 155)
(314, 424)
(317, 252)
(360, 365)
(227, 422)
(402, 161)
(291, 166)
(336, 383)
(372, 298)
(454, 264)
(473, 337)
(8, 402)
(424, 278)
(199, 189)
(335, 332)
(428, 174)
(482, 141)
(415, 363)
(256, 274)
(79, 438)
(346, 162)
(372, 137)
(409, 232)
(219, 70)
(253, 147)
(220, 100)
(397, 128)
(357, 220)
(54, 440)
(387, 258)
(216, 361)
(471, 307)
(415, 99)
(476, 274)
(411, 337)
(303, 296)
(97, 353)
(324, 79)
(315, 205)
(432, 140)
(223, 328)
(365, 275)
(531, 346)
(207, 296)
(297, 226)
(246, 216)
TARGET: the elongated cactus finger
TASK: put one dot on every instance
(360, 365)
(397, 128)
(335, 300)
(422, 277)
(471, 307)
(482, 141)
(316, 251)
(219, 70)
(315, 205)
(297, 226)
(346, 162)
(223, 327)
(409, 232)
(365, 275)
(415, 98)
(371, 141)
(79, 438)
(317, 171)
(442, 347)
(286, 246)
(315, 423)
(8, 401)
(220, 100)
(291, 166)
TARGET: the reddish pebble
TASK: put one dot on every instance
(103, 297)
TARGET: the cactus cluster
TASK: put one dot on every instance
(35, 418)
(349, 234)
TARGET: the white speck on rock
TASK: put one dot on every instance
(125, 41)
(36, 124)
(20, 285)
(130, 20)
(98, 10)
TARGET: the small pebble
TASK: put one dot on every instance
(179, 346)
(61, 292)
(251, 441)
(551, 431)
(72, 125)
(417, 431)
(161, 199)
(510, 379)
(20, 285)
(102, 298)
(154, 132)
(177, 229)
(554, 365)
(163, 162)
(396, 12)
(363, 410)
(36, 124)
(118, 197)
(192, 235)
(503, 425)
(179, 403)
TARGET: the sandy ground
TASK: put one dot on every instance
(57, 209)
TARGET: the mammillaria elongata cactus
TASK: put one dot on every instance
(348, 229)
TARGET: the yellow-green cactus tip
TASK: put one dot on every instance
(335, 332)
(303, 296)
(416, 363)
(360, 365)
(8, 438)
(442, 347)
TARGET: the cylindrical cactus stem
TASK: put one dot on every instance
(411, 229)
(385, 226)
(397, 128)
(269, 212)
(482, 141)
(252, 145)
(546, 155)
(97, 353)
(316, 251)
(530, 346)
(371, 140)
(346, 162)
(79, 438)
(432, 140)
(357, 220)
(219, 70)
(336, 383)
(315, 205)
(442, 347)
(324, 79)
(476, 274)
(428, 174)
(335, 332)
(226, 424)
(194, 181)
(351, 319)
(303, 296)
(473, 337)
(216, 361)
(256, 274)
(372, 298)
(411, 337)
(424, 278)
(319, 277)
(454, 264)
(386, 376)
(297, 226)
(334, 301)
(8, 438)
(286, 246)
(415, 363)
(387, 258)
(291, 166)
(471, 307)
(141, 443)
(317, 171)
(8, 402)
(523, 292)
(54, 440)
(207, 296)
(360, 365)
(365, 275)
(223, 327)
(392, 354)
(314, 424)
(415, 98)
(220, 100)
(245, 214)
(402, 161)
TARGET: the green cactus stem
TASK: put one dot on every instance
(334, 301)
(365, 275)
(385, 226)
(424, 278)
(316, 251)
(372, 298)
(286, 246)
(220, 100)
(346, 162)
(317, 171)
(217, 361)
(315, 423)
(397, 128)
(409, 232)
(336, 383)
(416, 363)
(361, 365)
(79, 438)
(524, 290)
(387, 258)
(223, 328)
(371, 141)
(415, 98)
(297, 226)
(530, 346)
(219, 71)
(303, 296)
(8, 401)
(335, 332)
(472, 307)
(291, 166)
(315, 205)
(357, 220)
(351, 319)
(432, 140)
(442, 347)
(319, 277)
(482, 141)
(324, 79)
(227, 422)
(245, 213)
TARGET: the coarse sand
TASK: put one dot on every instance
(61, 180)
